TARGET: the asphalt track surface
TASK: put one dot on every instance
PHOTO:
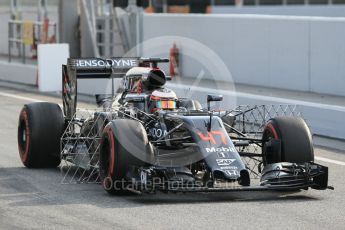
(35, 199)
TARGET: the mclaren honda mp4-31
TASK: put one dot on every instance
(144, 138)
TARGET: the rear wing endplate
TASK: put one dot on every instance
(90, 68)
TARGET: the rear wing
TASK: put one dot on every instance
(101, 68)
(96, 68)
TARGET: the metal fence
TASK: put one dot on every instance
(23, 34)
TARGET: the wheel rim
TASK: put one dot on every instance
(105, 157)
(269, 133)
(108, 159)
(23, 137)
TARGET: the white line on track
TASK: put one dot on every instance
(264, 98)
(19, 97)
(36, 100)
(330, 161)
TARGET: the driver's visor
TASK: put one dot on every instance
(166, 104)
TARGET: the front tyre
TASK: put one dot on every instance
(124, 145)
(287, 139)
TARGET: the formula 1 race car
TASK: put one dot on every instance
(145, 139)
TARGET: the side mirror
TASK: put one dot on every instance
(211, 97)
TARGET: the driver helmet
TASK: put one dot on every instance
(164, 99)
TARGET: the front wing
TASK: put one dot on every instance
(276, 177)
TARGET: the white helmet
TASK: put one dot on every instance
(163, 99)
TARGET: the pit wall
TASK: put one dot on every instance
(288, 52)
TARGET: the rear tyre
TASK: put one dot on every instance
(39, 131)
(294, 141)
(124, 145)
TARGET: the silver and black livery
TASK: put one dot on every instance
(145, 139)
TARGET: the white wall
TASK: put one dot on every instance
(298, 53)
(327, 56)
(49, 66)
(18, 73)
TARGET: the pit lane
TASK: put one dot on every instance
(36, 199)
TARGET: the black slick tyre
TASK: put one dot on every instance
(40, 128)
(295, 141)
(124, 145)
